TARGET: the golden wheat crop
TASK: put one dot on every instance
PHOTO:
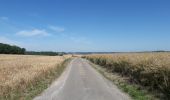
(19, 71)
(148, 69)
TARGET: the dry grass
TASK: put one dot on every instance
(17, 72)
(148, 69)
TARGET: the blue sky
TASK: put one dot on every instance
(86, 25)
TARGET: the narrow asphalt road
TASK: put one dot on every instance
(81, 82)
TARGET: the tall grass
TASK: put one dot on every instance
(18, 72)
(151, 70)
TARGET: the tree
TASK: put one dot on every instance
(9, 49)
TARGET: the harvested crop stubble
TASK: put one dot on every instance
(19, 71)
(148, 69)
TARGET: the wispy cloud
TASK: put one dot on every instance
(80, 40)
(4, 18)
(57, 29)
(34, 32)
(8, 41)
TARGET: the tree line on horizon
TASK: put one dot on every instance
(13, 49)
(49, 53)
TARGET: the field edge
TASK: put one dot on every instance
(33, 90)
(131, 89)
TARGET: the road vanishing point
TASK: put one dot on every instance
(80, 81)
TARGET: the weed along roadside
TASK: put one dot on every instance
(131, 89)
(38, 84)
(143, 76)
(46, 81)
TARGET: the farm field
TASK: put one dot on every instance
(151, 70)
(17, 72)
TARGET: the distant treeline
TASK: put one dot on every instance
(49, 53)
(11, 49)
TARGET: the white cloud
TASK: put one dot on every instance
(4, 18)
(8, 41)
(34, 32)
(57, 29)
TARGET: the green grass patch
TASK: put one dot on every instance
(133, 90)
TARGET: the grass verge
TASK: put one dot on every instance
(43, 83)
(135, 91)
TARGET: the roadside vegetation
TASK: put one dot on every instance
(135, 91)
(24, 76)
(150, 71)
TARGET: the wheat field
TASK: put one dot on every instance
(148, 69)
(19, 71)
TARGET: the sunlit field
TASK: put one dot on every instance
(17, 72)
(148, 69)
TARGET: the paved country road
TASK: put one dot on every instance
(81, 82)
